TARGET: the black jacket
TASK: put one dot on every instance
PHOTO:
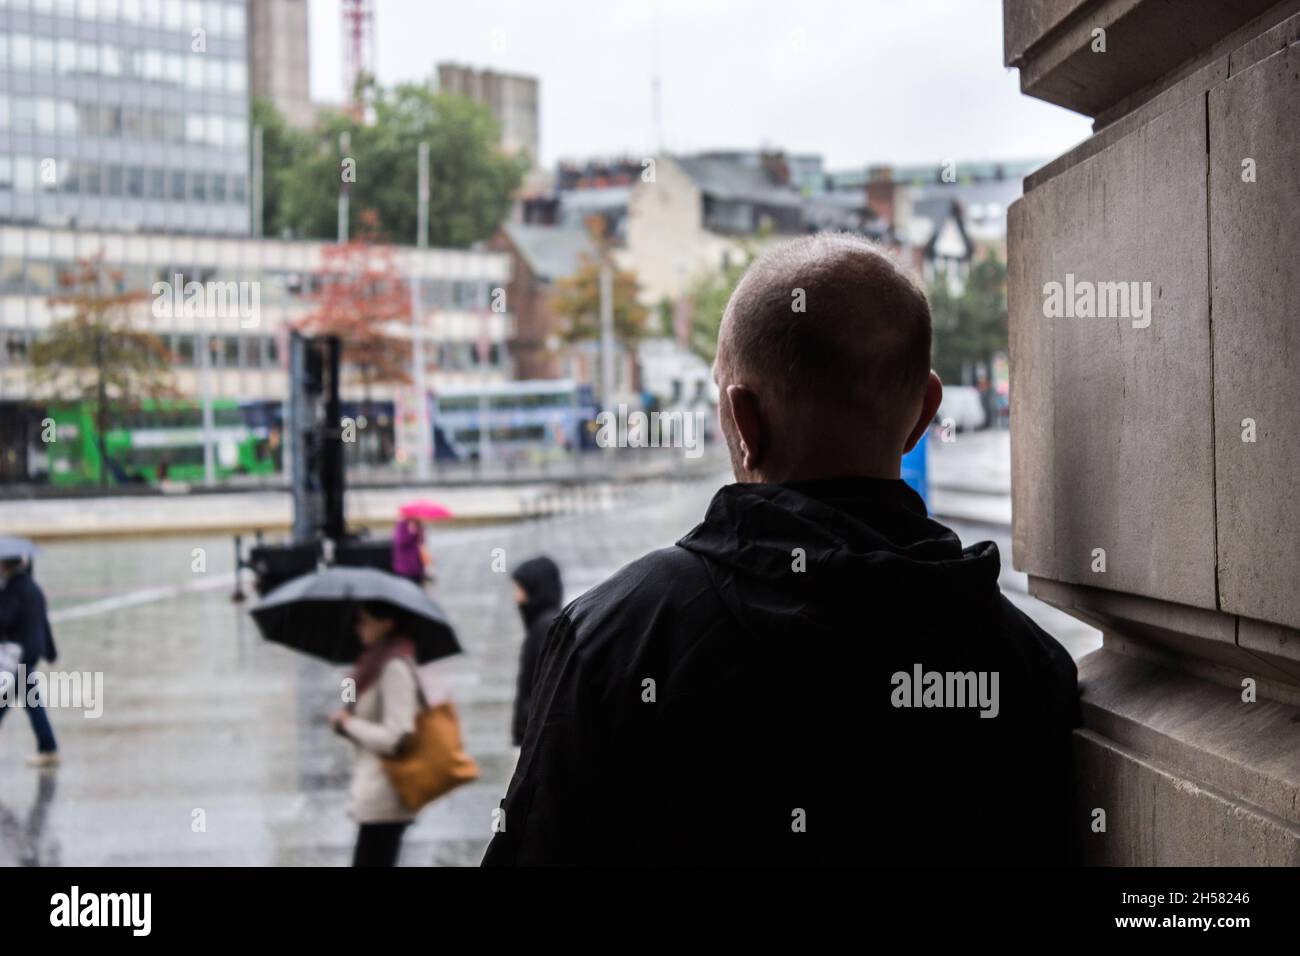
(732, 699)
(540, 580)
(23, 619)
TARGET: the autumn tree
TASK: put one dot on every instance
(363, 297)
(576, 299)
(97, 352)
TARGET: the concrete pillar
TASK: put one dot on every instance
(1154, 296)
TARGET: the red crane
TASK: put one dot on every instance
(358, 52)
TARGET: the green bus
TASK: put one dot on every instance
(158, 440)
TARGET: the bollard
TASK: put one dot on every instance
(238, 596)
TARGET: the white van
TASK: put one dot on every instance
(962, 404)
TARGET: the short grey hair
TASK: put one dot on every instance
(862, 342)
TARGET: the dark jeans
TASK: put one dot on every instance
(378, 844)
(45, 742)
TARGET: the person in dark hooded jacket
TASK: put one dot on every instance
(539, 594)
(818, 673)
(24, 621)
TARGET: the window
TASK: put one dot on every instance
(20, 50)
(195, 127)
(157, 184)
(132, 122)
(4, 111)
(237, 185)
(214, 72)
(113, 180)
(72, 179)
(199, 186)
(52, 173)
(174, 68)
(110, 60)
(135, 182)
(218, 187)
(194, 71)
(43, 55)
(24, 114)
(67, 119)
(91, 180)
(252, 349)
(40, 277)
(178, 185)
(236, 133)
(183, 347)
(67, 56)
(24, 174)
(234, 20)
(13, 276)
(87, 58)
(45, 115)
(236, 76)
(6, 174)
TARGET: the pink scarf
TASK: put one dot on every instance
(372, 660)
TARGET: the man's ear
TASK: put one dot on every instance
(929, 407)
(748, 419)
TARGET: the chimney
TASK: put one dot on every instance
(775, 167)
(880, 193)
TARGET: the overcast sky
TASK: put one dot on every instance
(859, 81)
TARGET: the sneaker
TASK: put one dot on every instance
(44, 761)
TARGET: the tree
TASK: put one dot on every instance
(471, 181)
(576, 299)
(971, 328)
(709, 297)
(362, 295)
(284, 149)
(95, 353)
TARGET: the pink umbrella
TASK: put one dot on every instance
(424, 510)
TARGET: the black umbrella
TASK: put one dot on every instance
(12, 547)
(315, 614)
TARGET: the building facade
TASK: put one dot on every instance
(280, 57)
(265, 285)
(125, 114)
(512, 99)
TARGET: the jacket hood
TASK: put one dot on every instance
(540, 579)
(803, 551)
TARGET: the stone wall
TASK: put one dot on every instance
(1156, 447)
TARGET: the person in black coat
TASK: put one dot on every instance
(539, 594)
(819, 673)
(23, 620)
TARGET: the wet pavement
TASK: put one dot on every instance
(204, 722)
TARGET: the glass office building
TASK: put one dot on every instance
(125, 115)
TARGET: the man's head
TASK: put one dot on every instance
(11, 566)
(824, 363)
